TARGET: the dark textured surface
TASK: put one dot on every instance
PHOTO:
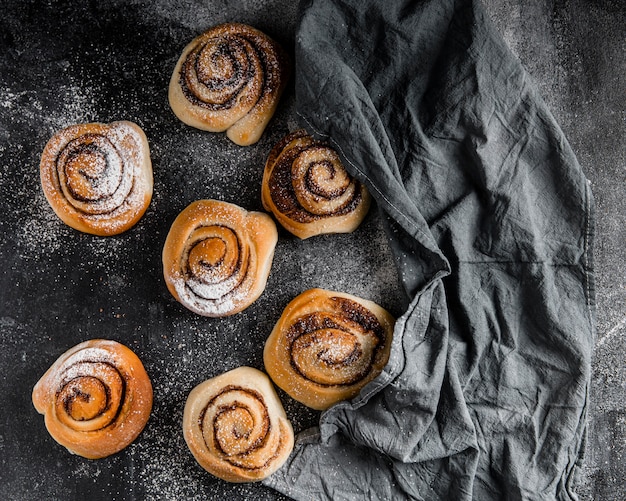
(67, 63)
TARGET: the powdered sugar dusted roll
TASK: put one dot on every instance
(230, 78)
(308, 190)
(96, 398)
(327, 345)
(217, 257)
(236, 427)
(98, 177)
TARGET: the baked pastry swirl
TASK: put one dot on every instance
(309, 191)
(98, 177)
(230, 78)
(217, 257)
(236, 427)
(327, 345)
(96, 398)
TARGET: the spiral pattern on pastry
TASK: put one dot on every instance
(308, 190)
(98, 177)
(217, 257)
(327, 345)
(230, 78)
(96, 398)
(236, 427)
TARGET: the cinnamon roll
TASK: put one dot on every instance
(96, 398)
(217, 257)
(309, 191)
(327, 345)
(230, 79)
(236, 427)
(98, 177)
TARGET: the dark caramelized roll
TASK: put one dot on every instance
(230, 78)
(98, 177)
(308, 190)
(236, 427)
(327, 345)
(96, 398)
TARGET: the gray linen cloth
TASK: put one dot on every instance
(489, 218)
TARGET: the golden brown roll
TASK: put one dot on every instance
(309, 191)
(96, 398)
(98, 177)
(217, 257)
(236, 427)
(230, 78)
(327, 345)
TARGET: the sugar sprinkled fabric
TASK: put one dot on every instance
(490, 217)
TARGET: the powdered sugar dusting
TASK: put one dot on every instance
(76, 104)
(224, 303)
(38, 235)
(71, 365)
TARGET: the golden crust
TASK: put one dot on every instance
(96, 398)
(327, 346)
(236, 427)
(217, 257)
(230, 78)
(98, 177)
(309, 191)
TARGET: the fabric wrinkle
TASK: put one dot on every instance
(490, 221)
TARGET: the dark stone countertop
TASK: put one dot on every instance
(72, 62)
